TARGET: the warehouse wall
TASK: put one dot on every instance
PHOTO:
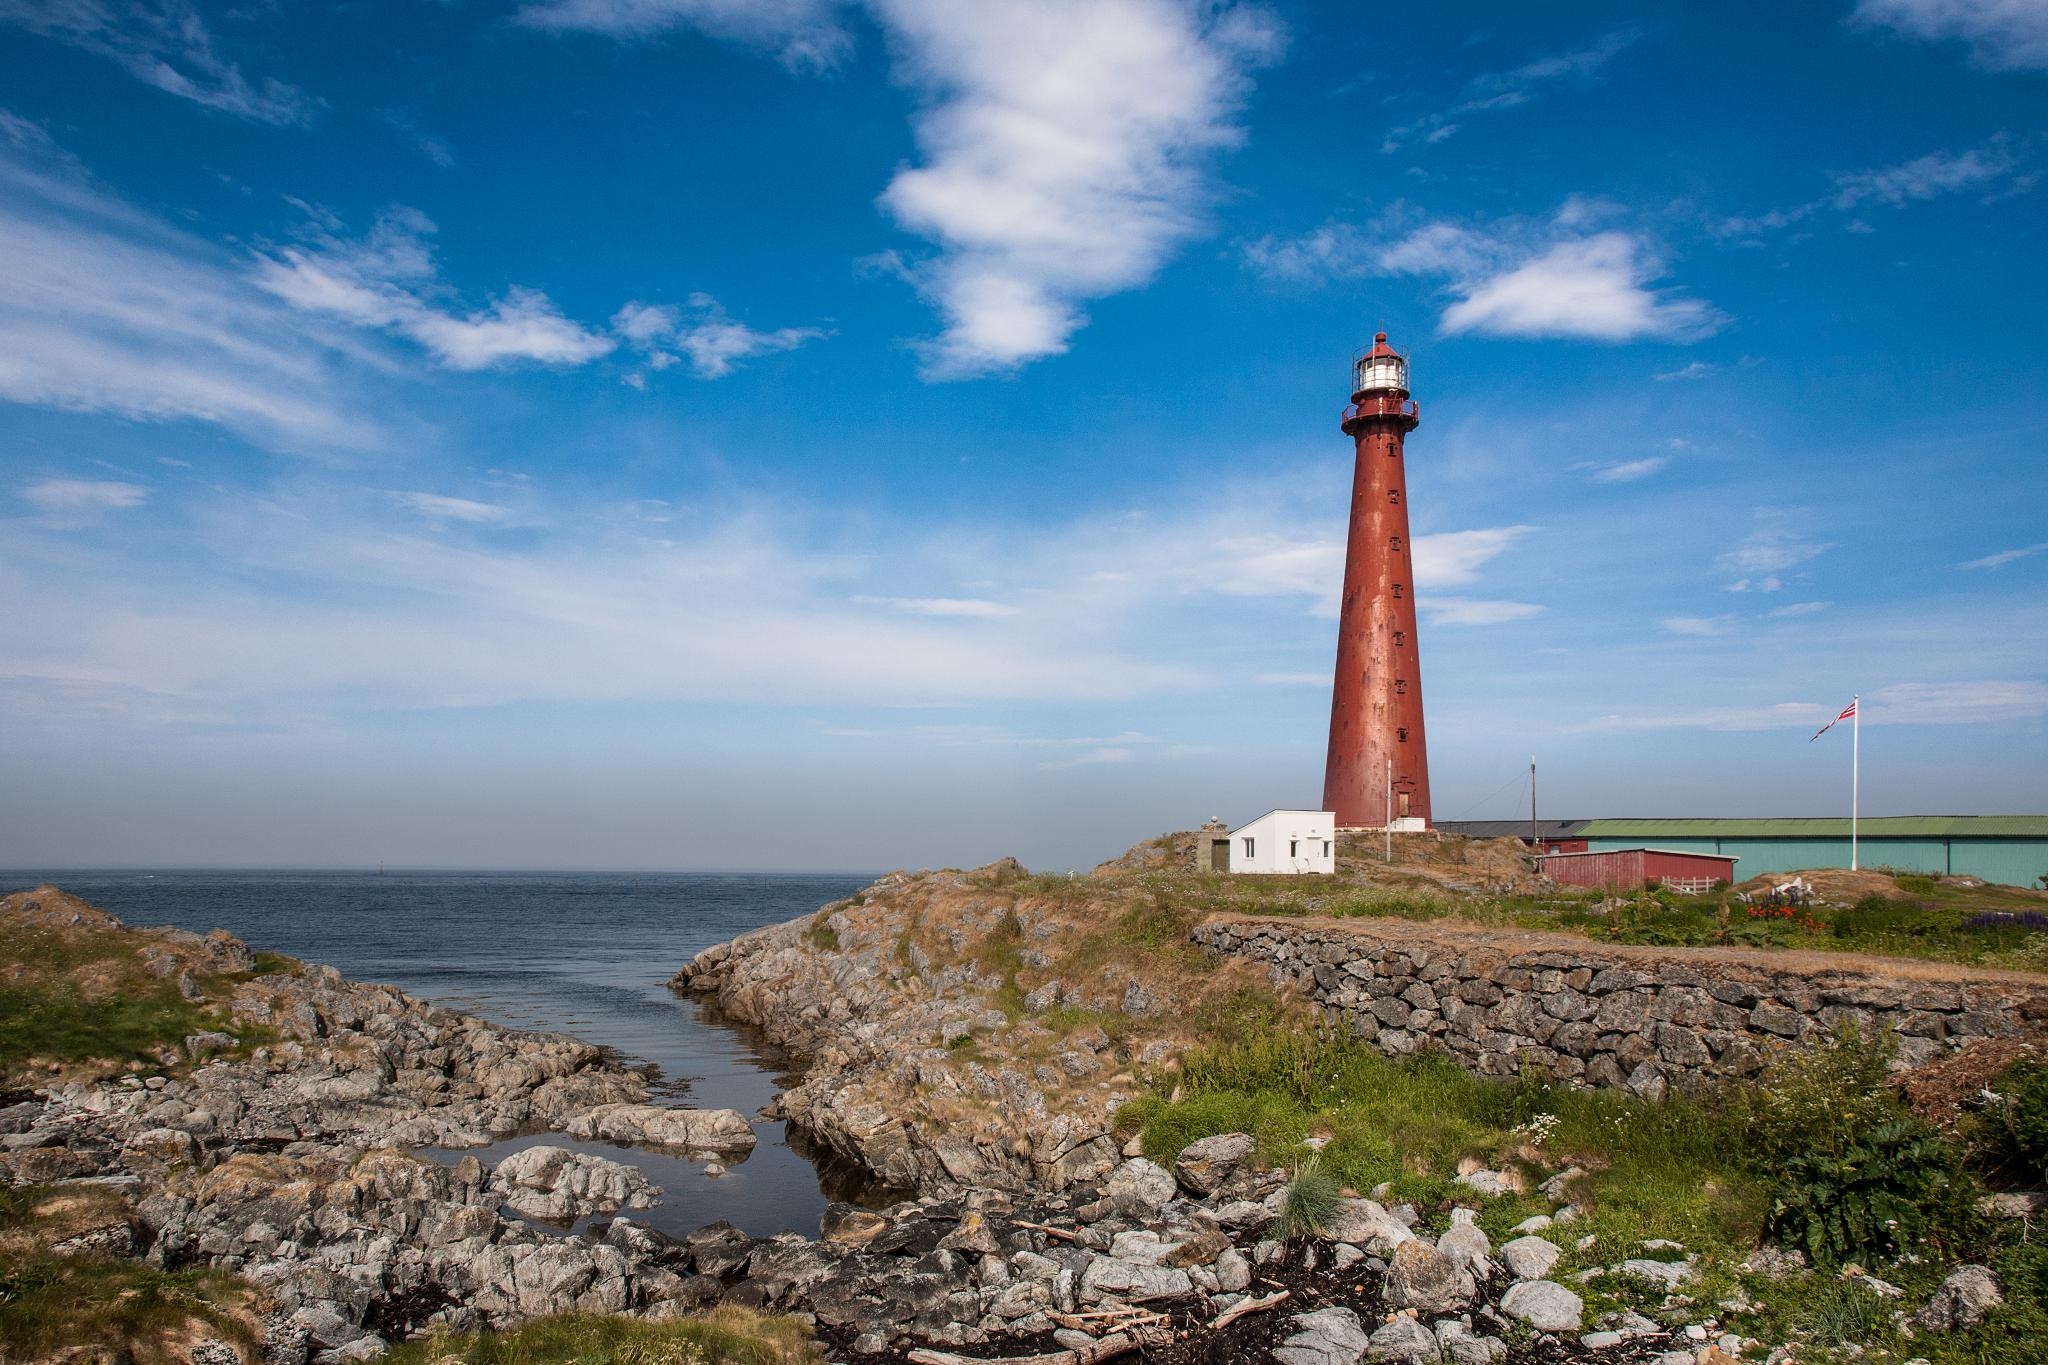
(2016, 862)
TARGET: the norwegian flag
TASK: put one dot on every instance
(1849, 711)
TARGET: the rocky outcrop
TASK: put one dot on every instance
(952, 1023)
(1610, 1015)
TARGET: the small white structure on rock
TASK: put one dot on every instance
(1286, 842)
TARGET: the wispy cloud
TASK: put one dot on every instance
(2002, 34)
(82, 499)
(104, 309)
(440, 507)
(973, 607)
(1972, 702)
(389, 281)
(1699, 369)
(1792, 609)
(1628, 471)
(1995, 168)
(1465, 611)
(714, 341)
(2005, 557)
(1699, 625)
(164, 43)
(1502, 90)
(806, 33)
(1092, 758)
(1063, 151)
(1778, 542)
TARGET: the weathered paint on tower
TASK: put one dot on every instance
(1376, 701)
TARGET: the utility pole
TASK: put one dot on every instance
(1390, 810)
(1535, 840)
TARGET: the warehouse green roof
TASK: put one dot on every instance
(1826, 827)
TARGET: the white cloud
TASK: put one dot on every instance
(1926, 177)
(1465, 611)
(1092, 758)
(1454, 558)
(166, 44)
(1956, 703)
(807, 33)
(940, 606)
(2005, 557)
(1699, 369)
(1500, 90)
(1628, 471)
(2003, 34)
(104, 309)
(83, 499)
(386, 281)
(1521, 279)
(1063, 152)
(1699, 625)
(1994, 167)
(714, 341)
(1593, 288)
(1780, 541)
(438, 507)
(1792, 609)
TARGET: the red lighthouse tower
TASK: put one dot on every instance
(1378, 768)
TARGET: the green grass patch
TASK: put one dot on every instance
(126, 1310)
(50, 1020)
(822, 934)
(725, 1336)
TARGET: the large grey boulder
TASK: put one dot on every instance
(1466, 1244)
(1423, 1278)
(694, 1130)
(1364, 1223)
(1530, 1258)
(1970, 1292)
(1404, 1340)
(1144, 1181)
(560, 1186)
(1329, 1336)
(1204, 1167)
(1462, 1346)
(1665, 1275)
(1543, 1304)
(1112, 1277)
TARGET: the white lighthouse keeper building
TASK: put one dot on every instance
(1286, 842)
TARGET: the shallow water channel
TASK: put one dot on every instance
(587, 954)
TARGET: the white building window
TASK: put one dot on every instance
(1247, 845)
(1294, 848)
(1326, 848)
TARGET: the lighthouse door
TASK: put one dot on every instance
(1401, 802)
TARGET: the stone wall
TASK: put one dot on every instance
(1613, 1015)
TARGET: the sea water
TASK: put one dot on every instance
(583, 953)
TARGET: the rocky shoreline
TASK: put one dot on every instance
(282, 1147)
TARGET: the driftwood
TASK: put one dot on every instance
(1246, 1309)
(1060, 1233)
(1109, 1348)
(1097, 1320)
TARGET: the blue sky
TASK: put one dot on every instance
(795, 433)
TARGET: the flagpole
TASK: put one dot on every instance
(1855, 770)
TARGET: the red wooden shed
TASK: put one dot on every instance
(1625, 869)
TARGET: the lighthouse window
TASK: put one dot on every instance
(1400, 687)
(1397, 592)
(1393, 495)
(1400, 638)
(1401, 734)
(1393, 542)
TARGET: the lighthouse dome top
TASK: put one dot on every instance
(1380, 370)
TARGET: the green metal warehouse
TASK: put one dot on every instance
(1999, 848)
